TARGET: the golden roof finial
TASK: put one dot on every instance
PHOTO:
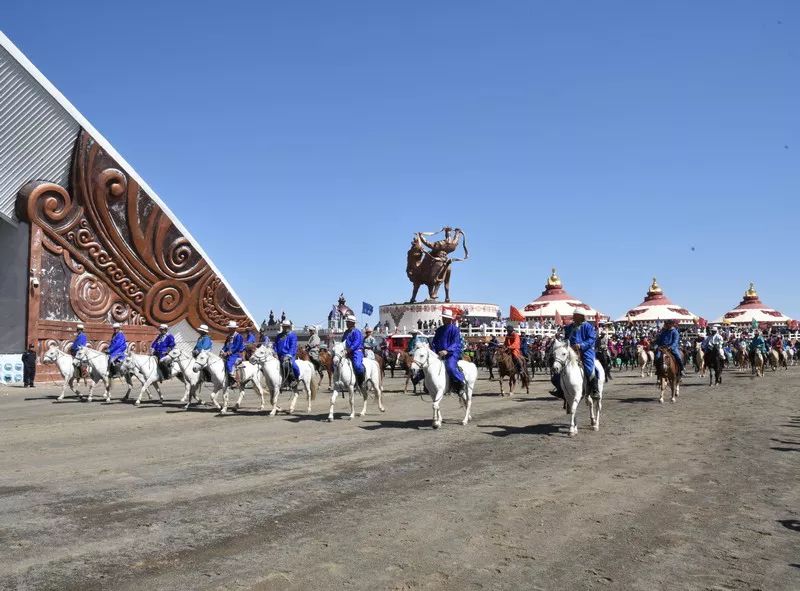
(752, 291)
(553, 280)
(654, 287)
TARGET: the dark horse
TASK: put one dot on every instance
(714, 361)
(507, 368)
(432, 269)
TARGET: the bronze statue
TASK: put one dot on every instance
(432, 268)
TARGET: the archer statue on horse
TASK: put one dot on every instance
(432, 267)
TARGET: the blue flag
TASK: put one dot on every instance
(366, 308)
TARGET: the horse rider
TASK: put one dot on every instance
(491, 349)
(524, 346)
(160, 348)
(757, 344)
(263, 339)
(78, 343)
(416, 339)
(713, 340)
(512, 346)
(286, 350)
(447, 344)
(354, 347)
(312, 346)
(203, 341)
(250, 342)
(116, 350)
(601, 350)
(232, 352)
(777, 343)
(583, 338)
(370, 342)
(670, 338)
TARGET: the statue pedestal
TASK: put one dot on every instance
(403, 317)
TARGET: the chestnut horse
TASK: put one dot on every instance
(507, 368)
(667, 373)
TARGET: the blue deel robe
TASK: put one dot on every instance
(162, 345)
(354, 343)
(250, 339)
(80, 341)
(234, 346)
(671, 339)
(117, 347)
(286, 345)
(203, 344)
(448, 338)
(264, 340)
(585, 337)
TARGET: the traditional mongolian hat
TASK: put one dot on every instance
(286, 323)
(232, 324)
(80, 326)
(447, 313)
(368, 329)
(312, 327)
(162, 326)
(115, 325)
(202, 328)
(579, 312)
(349, 318)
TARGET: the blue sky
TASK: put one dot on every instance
(302, 143)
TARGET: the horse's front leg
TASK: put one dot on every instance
(662, 384)
(334, 396)
(467, 400)
(437, 411)
(273, 398)
(676, 386)
(215, 388)
(107, 393)
(241, 397)
(64, 388)
(293, 400)
(573, 412)
(145, 385)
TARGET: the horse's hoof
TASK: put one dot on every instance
(223, 411)
(361, 414)
(330, 419)
(348, 417)
(573, 433)
(436, 425)
(137, 403)
(383, 409)
(465, 422)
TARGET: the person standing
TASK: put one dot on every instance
(29, 367)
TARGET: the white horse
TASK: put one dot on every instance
(791, 358)
(66, 367)
(344, 380)
(192, 377)
(215, 366)
(437, 381)
(645, 359)
(574, 384)
(246, 372)
(264, 357)
(97, 362)
(145, 368)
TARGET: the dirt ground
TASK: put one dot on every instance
(702, 494)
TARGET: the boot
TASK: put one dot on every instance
(360, 378)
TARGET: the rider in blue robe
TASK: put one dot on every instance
(232, 349)
(116, 349)
(580, 335)
(670, 337)
(354, 345)
(203, 341)
(250, 339)
(447, 344)
(286, 347)
(163, 343)
(79, 341)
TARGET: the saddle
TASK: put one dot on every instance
(287, 373)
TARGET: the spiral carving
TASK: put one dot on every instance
(120, 312)
(166, 301)
(90, 298)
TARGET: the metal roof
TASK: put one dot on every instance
(38, 129)
(37, 135)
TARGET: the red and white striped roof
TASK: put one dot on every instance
(751, 308)
(656, 306)
(555, 299)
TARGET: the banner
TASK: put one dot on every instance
(366, 308)
(515, 315)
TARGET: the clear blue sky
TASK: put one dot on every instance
(303, 142)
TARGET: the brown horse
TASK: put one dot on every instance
(667, 373)
(401, 360)
(507, 368)
(741, 359)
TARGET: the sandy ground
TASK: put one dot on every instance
(702, 494)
